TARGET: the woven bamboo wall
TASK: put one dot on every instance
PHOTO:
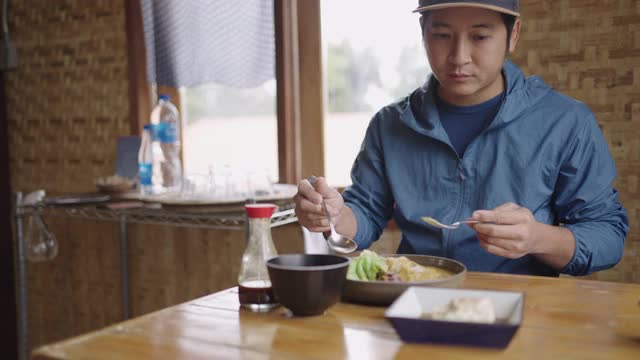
(67, 102)
(68, 99)
(590, 50)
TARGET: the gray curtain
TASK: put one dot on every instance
(193, 42)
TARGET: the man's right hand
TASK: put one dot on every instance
(308, 202)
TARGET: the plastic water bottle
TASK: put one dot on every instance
(145, 161)
(166, 122)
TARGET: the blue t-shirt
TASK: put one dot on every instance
(464, 123)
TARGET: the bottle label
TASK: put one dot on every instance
(154, 132)
(166, 132)
(146, 171)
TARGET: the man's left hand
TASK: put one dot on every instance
(509, 230)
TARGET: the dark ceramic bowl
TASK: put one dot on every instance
(307, 284)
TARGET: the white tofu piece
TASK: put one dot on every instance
(477, 310)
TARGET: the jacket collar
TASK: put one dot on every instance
(421, 114)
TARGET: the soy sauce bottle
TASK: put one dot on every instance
(254, 286)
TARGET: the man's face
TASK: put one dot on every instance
(466, 48)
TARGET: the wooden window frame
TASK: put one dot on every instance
(139, 94)
(311, 93)
(288, 90)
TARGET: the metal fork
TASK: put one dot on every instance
(455, 225)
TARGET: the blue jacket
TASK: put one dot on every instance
(543, 151)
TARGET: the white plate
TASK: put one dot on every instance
(76, 199)
(281, 192)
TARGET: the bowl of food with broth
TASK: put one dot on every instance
(380, 279)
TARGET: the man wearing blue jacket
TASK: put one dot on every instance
(480, 141)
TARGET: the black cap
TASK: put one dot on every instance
(504, 6)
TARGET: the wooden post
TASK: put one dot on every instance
(139, 99)
(288, 91)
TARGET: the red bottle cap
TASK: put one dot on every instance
(260, 210)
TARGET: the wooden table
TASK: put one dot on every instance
(563, 319)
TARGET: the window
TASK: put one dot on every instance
(373, 55)
(230, 128)
(221, 55)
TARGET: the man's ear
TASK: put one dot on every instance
(515, 35)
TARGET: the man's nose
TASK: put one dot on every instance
(460, 53)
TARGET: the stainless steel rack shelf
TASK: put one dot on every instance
(215, 219)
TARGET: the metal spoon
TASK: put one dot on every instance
(337, 242)
(455, 225)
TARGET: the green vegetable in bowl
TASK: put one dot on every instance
(367, 266)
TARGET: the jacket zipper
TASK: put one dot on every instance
(448, 234)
